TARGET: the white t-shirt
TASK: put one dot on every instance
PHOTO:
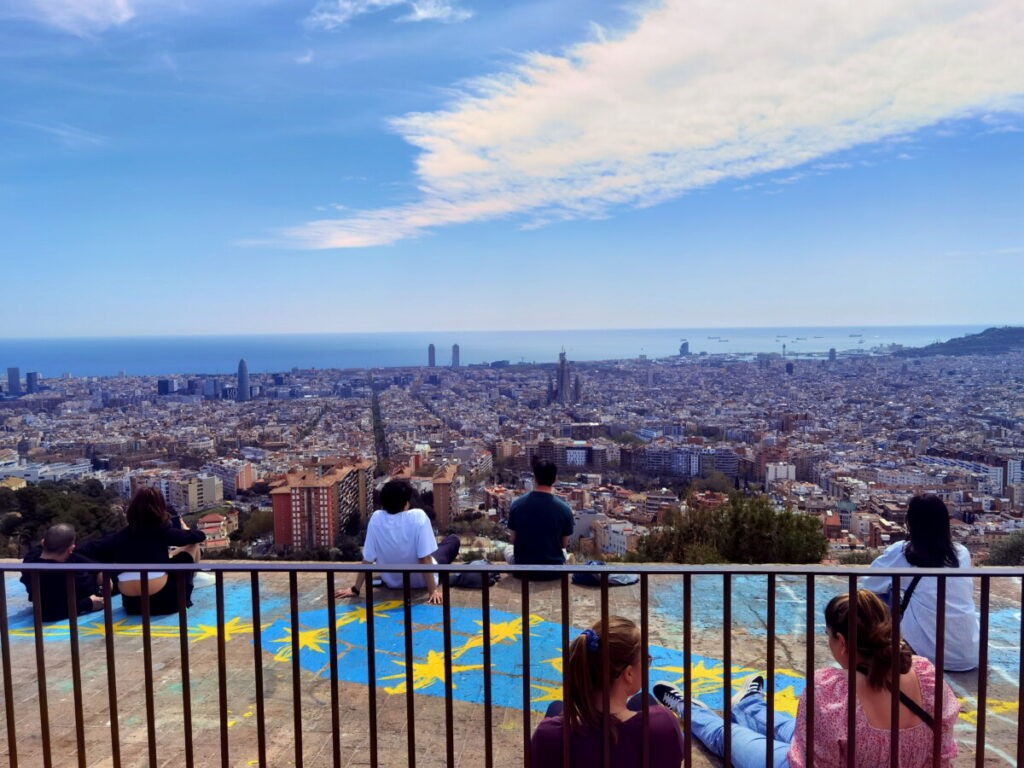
(401, 538)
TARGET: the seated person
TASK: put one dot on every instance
(147, 540)
(540, 522)
(916, 680)
(58, 546)
(398, 535)
(584, 709)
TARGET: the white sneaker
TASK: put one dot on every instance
(672, 698)
(203, 579)
(752, 686)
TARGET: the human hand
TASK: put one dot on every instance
(435, 598)
(97, 602)
(347, 592)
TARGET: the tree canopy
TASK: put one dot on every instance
(27, 513)
(1009, 551)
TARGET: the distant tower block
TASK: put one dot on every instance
(13, 382)
(455, 355)
(563, 378)
(832, 355)
(32, 382)
(789, 368)
(431, 356)
(242, 395)
(684, 349)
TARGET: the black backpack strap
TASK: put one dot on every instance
(917, 709)
(906, 595)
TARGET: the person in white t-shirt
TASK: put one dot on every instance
(398, 535)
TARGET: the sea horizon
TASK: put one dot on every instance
(269, 353)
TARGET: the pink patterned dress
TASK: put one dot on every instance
(872, 744)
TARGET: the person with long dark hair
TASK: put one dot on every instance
(915, 678)
(149, 539)
(585, 713)
(931, 546)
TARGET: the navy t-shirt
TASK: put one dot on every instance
(540, 521)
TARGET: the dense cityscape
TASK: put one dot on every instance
(847, 439)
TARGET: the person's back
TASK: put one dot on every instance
(58, 546)
(540, 522)
(399, 538)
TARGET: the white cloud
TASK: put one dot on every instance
(68, 135)
(696, 92)
(83, 17)
(330, 14)
(306, 58)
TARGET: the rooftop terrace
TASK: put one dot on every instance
(267, 669)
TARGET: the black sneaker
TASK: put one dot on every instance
(672, 698)
(752, 686)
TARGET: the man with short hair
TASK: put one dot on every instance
(541, 523)
(399, 535)
(58, 546)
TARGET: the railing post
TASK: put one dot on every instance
(76, 666)
(5, 649)
(257, 657)
(44, 709)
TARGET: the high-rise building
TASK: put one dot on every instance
(165, 386)
(32, 382)
(312, 507)
(832, 355)
(431, 356)
(455, 355)
(13, 382)
(563, 392)
(445, 506)
(684, 348)
(242, 395)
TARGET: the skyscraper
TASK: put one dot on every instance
(32, 382)
(13, 382)
(564, 392)
(455, 355)
(431, 356)
(243, 382)
(832, 355)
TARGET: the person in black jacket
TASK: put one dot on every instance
(58, 546)
(148, 540)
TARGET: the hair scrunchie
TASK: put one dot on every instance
(593, 641)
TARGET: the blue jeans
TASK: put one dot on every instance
(748, 733)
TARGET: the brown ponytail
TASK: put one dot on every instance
(585, 683)
(874, 636)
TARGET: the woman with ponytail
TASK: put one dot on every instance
(584, 709)
(931, 546)
(916, 679)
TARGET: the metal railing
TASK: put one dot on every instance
(561, 574)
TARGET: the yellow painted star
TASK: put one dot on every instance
(425, 673)
(233, 627)
(556, 662)
(508, 632)
(551, 693)
(357, 613)
(313, 639)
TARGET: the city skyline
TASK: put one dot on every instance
(821, 166)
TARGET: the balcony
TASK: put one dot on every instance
(267, 669)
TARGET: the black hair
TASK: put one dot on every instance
(930, 544)
(58, 538)
(544, 471)
(395, 495)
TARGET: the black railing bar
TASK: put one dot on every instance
(222, 671)
(527, 730)
(852, 615)
(809, 675)
(108, 642)
(76, 666)
(293, 609)
(257, 666)
(687, 670)
(1020, 680)
(186, 674)
(5, 649)
(653, 569)
(449, 711)
(485, 627)
(371, 670)
(770, 672)
(44, 709)
(147, 660)
(606, 676)
(940, 659)
(410, 705)
(982, 674)
(645, 673)
(566, 680)
(727, 667)
(332, 645)
(894, 704)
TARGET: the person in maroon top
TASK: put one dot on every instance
(585, 714)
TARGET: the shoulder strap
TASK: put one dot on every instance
(906, 595)
(917, 709)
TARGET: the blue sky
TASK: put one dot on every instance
(176, 166)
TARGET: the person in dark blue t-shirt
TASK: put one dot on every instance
(540, 522)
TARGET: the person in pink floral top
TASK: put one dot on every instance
(917, 680)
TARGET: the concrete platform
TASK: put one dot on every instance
(507, 634)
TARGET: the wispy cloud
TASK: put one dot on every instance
(329, 14)
(1012, 251)
(696, 92)
(82, 17)
(306, 58)
(67, 135)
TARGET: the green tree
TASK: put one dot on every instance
(1009, 551)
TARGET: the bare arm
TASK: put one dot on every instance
(356, 588)
(434, 595)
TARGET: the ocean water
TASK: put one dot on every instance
(160, 355)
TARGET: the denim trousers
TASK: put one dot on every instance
(749, 726)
